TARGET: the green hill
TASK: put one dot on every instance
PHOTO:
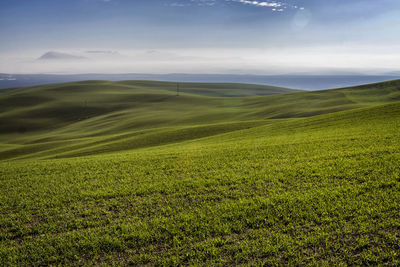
(52, 106)
(77, 116)
(128, 173)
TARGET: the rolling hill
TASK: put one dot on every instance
(94, 112)
(129, 173)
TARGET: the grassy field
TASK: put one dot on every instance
(128, 173)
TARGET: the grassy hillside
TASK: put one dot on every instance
(76, 116)
(147, 103)
(139, 176)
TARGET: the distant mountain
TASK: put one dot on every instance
(59, 56)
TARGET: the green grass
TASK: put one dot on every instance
(149, 178)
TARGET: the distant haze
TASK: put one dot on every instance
(266, 37)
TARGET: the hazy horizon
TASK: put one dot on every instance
(200, 37)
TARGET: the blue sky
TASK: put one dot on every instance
(201, 36)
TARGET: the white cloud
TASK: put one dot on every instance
(258, 3)
(274, 5)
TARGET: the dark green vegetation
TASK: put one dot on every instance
(129, 173)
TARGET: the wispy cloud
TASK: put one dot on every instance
(262, 4)
(273, 5)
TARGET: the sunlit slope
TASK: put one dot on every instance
(378, 120)
(119, 142)
(320, 190)
(305, 104)
(230, 133)
(99, 117)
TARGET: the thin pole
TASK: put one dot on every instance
(85, 110)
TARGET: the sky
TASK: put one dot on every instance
(200, 36)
